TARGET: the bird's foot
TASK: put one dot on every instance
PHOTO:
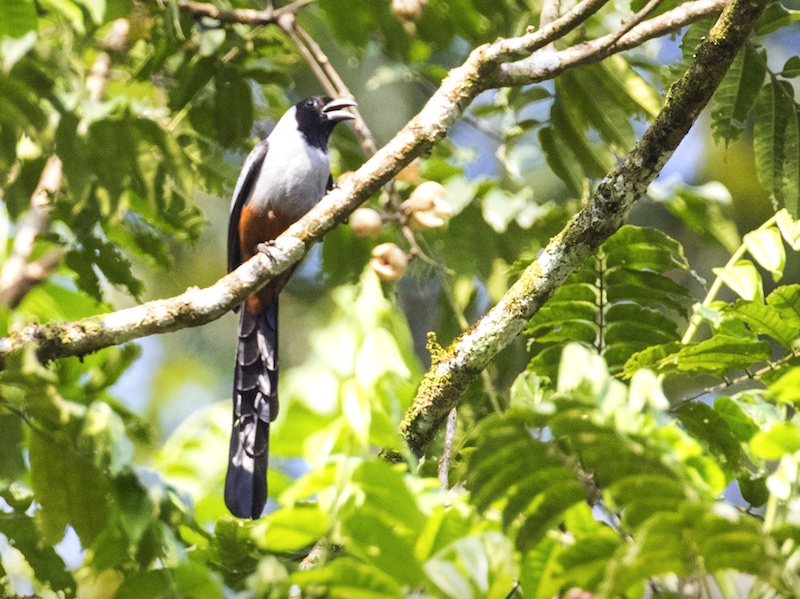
(265, 247)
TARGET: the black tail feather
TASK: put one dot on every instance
(255, 405)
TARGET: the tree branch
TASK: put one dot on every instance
(457, 365)
(245, 16)
(19, 276)
(546, 64)
(481, 70)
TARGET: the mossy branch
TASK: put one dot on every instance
(606, 212)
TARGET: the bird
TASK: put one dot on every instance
(282, 178)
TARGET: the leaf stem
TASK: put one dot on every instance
(697, 318)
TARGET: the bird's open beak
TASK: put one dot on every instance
(335, 109)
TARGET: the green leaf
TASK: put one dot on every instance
(776, 441)
(568, 118)
(753, 488)
(740, 422)
(561, 159)
(148, 583)
(20, 105)
(541, 569)
(629, 89)
(776, 143)
(375, 540)
(501, 208)
(716, 355)
(191, 77)
(743, 278)
(448, 579)
(644, 494)
(291, 528)
(701, 208)
(17, 17)
(789, 228)
(48, 567)
(104, 437)
(96, 8)
(136, 517)
(787, 388)
(480, 564)
(445, 525)
(615, 302)
(233, 114)
(763, 319)
(792, 68)
(347, 578)
(556, 311)
(13, 49)
(669, 542)
(384, 528)
(721, 353)
(786, 300)
(644, 248)
(648, 325)
(12, 463)
(766, 246)
(584, 563)
(587, 90)
(774, 17)
(737, 94)
(790, 182)
(656, 550)
(69, 489)
(509, 466)
(191, 579)
(233, 541)
(706, 424)
(387, 493)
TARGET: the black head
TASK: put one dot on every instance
(318, 115)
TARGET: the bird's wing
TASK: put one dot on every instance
(241, 194)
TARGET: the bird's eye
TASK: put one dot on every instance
(310, 103)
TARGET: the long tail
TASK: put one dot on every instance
(255, 405)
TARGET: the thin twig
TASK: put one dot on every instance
(246, 16)
(634, 20)
(519, 47)
(18, 277)
(514, 590)
(319, 553)
(334, 85)
(747, 376)
(289, 27)
(341, 89)
(551, 9)
(417, 252)
(447, 452)
(545, 65)
(711, 296)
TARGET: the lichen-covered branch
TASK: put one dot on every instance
(482, 70)
(456, 365)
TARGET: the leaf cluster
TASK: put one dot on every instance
(578, 473)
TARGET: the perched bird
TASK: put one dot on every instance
(283, 178)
